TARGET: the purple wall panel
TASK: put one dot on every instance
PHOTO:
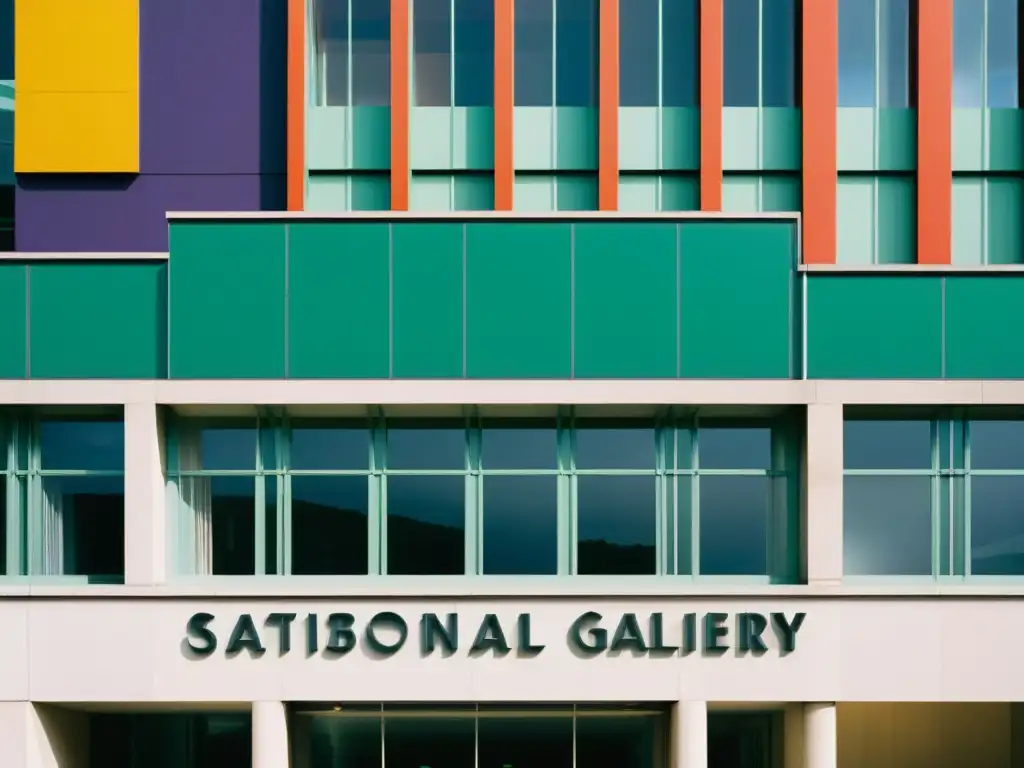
(81, 214)
(213, 79)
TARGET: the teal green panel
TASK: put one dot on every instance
(984, 317)
(638, 138)
(855, 139)
(680, 193)
(534, 192)
(371, 138)
(327, 138)
(13, 319)
(855, 220)
(740, 143)
(781, 134)
(638, 192)
(968, 220)
(338, 300)
(430, 192)
(780, 193)
(968, 139)
(227, 299)
(1005, 140)
(98, 320)
(1005, 208)
(576, 137)
(897, 220)
(472, 138)
(430, 138)
(474, 193)
(427, 313)
(625, 300)
(327, 193)
(874, 327)
(518, 295)
(680, 139)
(576, 193)
(741, 193)
(371, 192)
(737, 313)
(533, 136)
(897, 139)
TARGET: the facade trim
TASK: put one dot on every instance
(819, 98)
(296, 129)
(400, 44)
(934, 131)
(711, 100)
(608, 107)
(504, 104)
(517, 216)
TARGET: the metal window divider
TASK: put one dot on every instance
(377, 541)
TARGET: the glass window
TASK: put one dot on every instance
(332, 52)
(887, 525)
(968, 52)
(432, 52)
(526, 447)
(857, 53)
(638, 53)
(371, 53)
(742, 50)
(324, 447)
(354, 742)
(520, 524)
(330, 524)
(426, 524)
(576, 35)
(883, 445)
(171, 740)
(474, 53)
(616, 525)
(617, 742)
(534, 53)
(680, 53)
(417, 742)
(614, 447)
(1003, 34)
(734, 525)
(426, 447)
(779, 52)
(894, 54)
(759, 49)
(525, 741)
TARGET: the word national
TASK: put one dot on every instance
(590, 634)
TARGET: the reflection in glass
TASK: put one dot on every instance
(170, 740)
(997, 526)
(638, 53)
(734, 517)
(371, 53)
(526, 448)
(856, 53)
(1003, 35)
(576, 62)
(894, 54)
(418, 742)
(227, 449)
(997, 444)
(525, 741)
(352, 742)
(616, 528)
(329, 524)
(611, 447)
(520, 525)
(968, 56)
(429, 448)
(742, 51)
(534, 53)
(474, 53)
(332, 26)
(82, 445)
(616, 742)
(231, 526)
(887, 526)
(735, 448)
(82, 525)
(426, 524)
(679, 63)
(887, 444)
(432, 52)
(322, 448)
(778, 59)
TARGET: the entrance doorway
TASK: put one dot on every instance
(743, 740)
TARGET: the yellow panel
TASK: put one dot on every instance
(76, 133)
(76, 45)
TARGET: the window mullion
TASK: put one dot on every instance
(377, 540)
(474, 499)
(566, 496)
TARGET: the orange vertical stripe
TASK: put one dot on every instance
(504, 104)
(711, 98)
(400, 105)
(934, 131)
(608, 107)
(296, 106)
(819, 100)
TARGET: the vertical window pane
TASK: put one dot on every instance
(997, 526)
(614, 448)
(426, 448)
(525, 742)
(220, 449)
(887, 444)
(734, 525)
(1003, 34)
(371, 53)
(515, 448)
(638, 53)
(520, 525)
(82, 526)
(617, 742)
(616, 525)
(887, 526)
(413, 742)
(332, 27)
(534, 56)
(735, 448)
(83, 445)
(856, 53)
(680, 53)
(997, 444)
(432, 52)
(474, 53)
(323, 448)
(353, 742)
(426, 525)
(576, 53)
(779, 55)
(741, 52)
(894, 54)
(329, 525)
(968, 59)
(231, 526)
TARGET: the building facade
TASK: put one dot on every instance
(490, 383)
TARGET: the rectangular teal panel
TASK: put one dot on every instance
(430, 138)
(680, 139)
(638, 192)
(576, 192)
(474, 192)
(874, 327)
(534, 192)
(741, 144)
(327, 192)
(780, 192)
(855, 139)
(968, 220)
(737, 296)
(625, 300)
(338, 300)
(430, 192)
(680, 192)
(575, 138)
(518, 293)
(897, 139)
(984, 317)
(13, 320)
(472, 138)
(98, 320)
(1005, 202)
(741, 193)
(897, 220)
(370, 135)
(781, 133)
(534, 136)
(227, 298)
(855, 220)
(370, 192)
(427, 314)
(638, 138)
(1005, 147)
(968, 139)
(327, 138)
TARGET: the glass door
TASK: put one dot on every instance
(741, 740)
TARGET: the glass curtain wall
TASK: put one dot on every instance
(689, 496)
(481, 736)
(934, 497)
(170, 740)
